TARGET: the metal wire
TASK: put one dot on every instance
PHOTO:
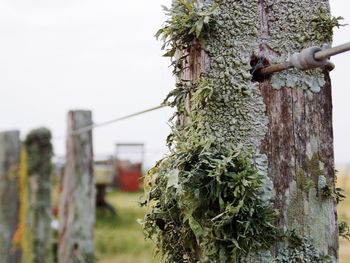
(276, 68)
(93, 126)
(320, 55)
(326, 53)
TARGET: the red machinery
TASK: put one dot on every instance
(129, 158)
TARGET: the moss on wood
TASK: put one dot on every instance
(35, 187)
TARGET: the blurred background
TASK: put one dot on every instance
(102, 55)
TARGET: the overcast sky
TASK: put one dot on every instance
(101, 55)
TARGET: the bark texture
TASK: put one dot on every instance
(285, 120)
(299, 146)
(9, 198)
(77, 207)
(37, 240)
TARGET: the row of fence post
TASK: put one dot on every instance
(26, 233)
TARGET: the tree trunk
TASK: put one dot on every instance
(9, 199)
(285, 120)
(37, 238)
(77, 207)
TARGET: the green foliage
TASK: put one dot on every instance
(187, 22)
(176, 97)
(206, 205)
(344, 230)
(202, 93)
(323, 24)
(300, 249)
(88, 258)
(337, 193)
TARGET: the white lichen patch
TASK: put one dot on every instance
(295, 20)
(236, 113)
(312, 147)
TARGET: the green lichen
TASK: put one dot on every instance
(304, 184)
(323, 24)
(333, 192)
(294, 212)
(236, 111)
(223, 109)
(344, 230)
(301, 249)
(206, 205)
(37, 219)
(39, 149)
(188, 21)
(177, 97)
(299, 32)
(314, 171)
(336, 193)
(202, 93)
(209, 202)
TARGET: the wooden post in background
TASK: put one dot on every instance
(9, 203)
(77, 204)
(37, 239)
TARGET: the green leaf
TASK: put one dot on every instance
(196, 227)
(234, 241)
(173, 179)
(159, 33)
(170, 53)
(189, 6)
(165, 8)
(199, 27)
(234, 210)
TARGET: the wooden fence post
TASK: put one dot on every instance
(37, 239)
(283, 122)
(77, 204)
(9, 203)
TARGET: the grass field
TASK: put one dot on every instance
(120, 239)
(344, 213)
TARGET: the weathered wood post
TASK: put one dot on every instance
(37, 240)
(10, 147)
(282, 122)
(77, 204)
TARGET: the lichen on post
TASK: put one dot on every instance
(77, 200)
(37, 233)
(273, 136)
(10, 148)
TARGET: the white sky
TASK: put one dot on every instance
(101, 55)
